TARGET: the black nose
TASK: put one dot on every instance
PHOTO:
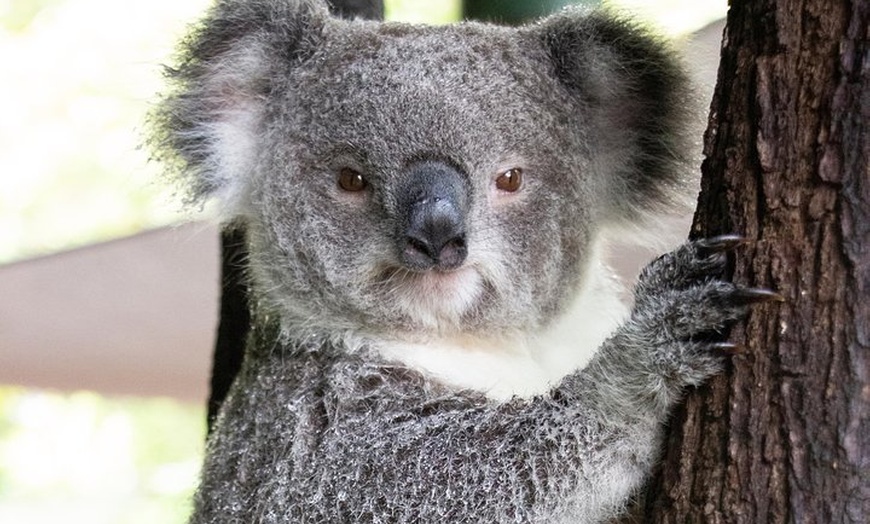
(435, 236)
(433, 201)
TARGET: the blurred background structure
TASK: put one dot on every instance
(108, 291)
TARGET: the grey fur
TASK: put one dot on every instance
(311, 433)
(273, 98)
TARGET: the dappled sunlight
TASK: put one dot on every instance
(79, 76)
(674, 17)
(82, 457)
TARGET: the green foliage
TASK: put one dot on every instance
(81, 457)
(17, 15)
(441, 12)
(79, 76)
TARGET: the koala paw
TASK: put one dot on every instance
(683, 308)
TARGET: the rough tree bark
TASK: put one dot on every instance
(784, 435)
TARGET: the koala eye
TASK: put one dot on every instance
(351, 180)
(510, 180)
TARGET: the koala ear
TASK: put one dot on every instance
(205, 128)
(633, 102)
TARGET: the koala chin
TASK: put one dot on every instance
(435, 336)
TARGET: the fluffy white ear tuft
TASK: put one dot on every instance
(634, 99)
(206, 127)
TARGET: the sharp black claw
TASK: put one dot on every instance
(756, 295)
(719, 244)
(727, 347)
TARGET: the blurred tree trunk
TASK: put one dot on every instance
(784, 435)
(235, 319)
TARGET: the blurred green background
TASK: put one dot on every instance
(78, 77)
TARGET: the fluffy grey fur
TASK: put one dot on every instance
(274, 100)
(314, 434)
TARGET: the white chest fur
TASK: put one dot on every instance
(524, 365)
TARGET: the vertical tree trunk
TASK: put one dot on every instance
(784, 435)
(235, 318)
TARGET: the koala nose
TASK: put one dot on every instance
(433, 202)
(435, 236)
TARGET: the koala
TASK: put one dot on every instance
(436, 337)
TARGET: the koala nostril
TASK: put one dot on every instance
(420, 246)
(453, 253)
(427, 251)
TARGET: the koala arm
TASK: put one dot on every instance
(322, 436)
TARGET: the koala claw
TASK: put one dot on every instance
(747, 296)
(727, 347)
(682, 295)
(719, 244)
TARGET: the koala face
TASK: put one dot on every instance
(421, 179)
(401, 192)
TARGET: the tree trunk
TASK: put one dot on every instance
(235, 319)
(784, 435)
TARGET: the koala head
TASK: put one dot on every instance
(416, 179)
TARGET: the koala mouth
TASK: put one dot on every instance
(437, 281)
(435, 297)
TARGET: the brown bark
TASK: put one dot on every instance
(784, 435)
